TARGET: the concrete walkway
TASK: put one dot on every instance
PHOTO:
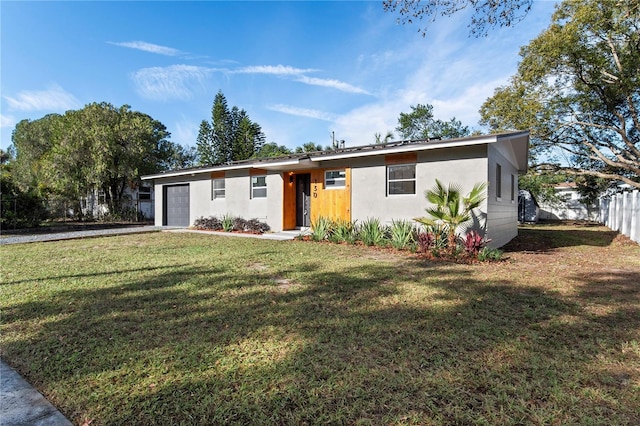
(278, 236)
(22, 405)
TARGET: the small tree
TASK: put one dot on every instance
(450, 208)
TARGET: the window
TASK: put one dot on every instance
(513, 188)
(258, 186)
(334, 179)
(401, 179)
(498, 181)
(144, 193)
(217, 189)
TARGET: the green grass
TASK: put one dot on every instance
(170, 328)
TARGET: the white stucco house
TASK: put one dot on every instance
(570, 207)
(139, 199)
(385, 181)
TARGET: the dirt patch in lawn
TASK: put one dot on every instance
(575, 260)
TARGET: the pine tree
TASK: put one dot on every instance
(231, 135)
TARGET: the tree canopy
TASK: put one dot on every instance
(421, 124)
(487, 14)
(230, 136)
(272, 149)
(577, 89)
(309, 147)
(18, 208)
(98, 147)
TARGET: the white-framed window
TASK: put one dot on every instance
(335, 179)
(498, 182)
(259, 186)
(401, 179)
(217, 188)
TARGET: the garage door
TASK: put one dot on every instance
(176, 205)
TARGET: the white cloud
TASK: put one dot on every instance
(55, 98)
(284, 70)
(186, 132)
(300, 75)
(149, 47)
(303, 112)
(334, 84)
(172, 82)
(358, 126)
(453, 76)
(7, 120)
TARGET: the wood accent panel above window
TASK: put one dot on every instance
(257, 172)
(409, 157)
(217, 175)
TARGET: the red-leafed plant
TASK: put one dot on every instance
(473, 243)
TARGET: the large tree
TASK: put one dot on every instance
(421, 124)
(487, 14)
(578, 89)
(230, 136)
(18, 208)
(98, 147)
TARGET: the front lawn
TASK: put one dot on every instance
(170, 328)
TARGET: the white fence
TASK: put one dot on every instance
(621, 212)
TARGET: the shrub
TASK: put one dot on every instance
(491, 254)
(227, 223)
(211, 223)
(239, 224)
(321, 228)
(426, 241)
(343, 231)
(451, 207)
(372, 233)
(402, 234)
(473, 243)
(440, 233)
(254, 225)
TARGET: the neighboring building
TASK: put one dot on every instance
(139, 200)
(528, 207)
(385, 181)
(570, 206)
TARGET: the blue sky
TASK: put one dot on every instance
(302, 70)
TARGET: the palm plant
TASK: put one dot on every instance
(451, 208)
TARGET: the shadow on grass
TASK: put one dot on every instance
(374, 344)
(88, 275)
(545, 238)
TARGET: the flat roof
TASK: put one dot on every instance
(309, 160)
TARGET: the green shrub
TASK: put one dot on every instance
(227, 223)
(489, 254)
(321, 228)
(343, 231)
(403, 234)
(372, 233)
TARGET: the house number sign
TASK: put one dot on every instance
(315, 188)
